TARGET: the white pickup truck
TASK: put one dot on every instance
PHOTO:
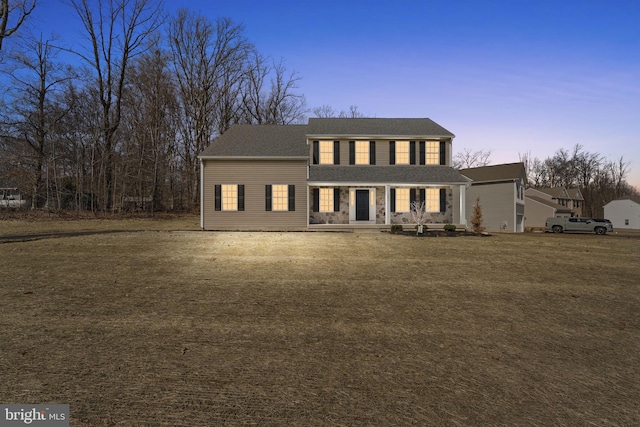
(560, 225)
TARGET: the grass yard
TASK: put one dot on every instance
(186, 328)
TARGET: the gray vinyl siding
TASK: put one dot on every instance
(254, 175)
(536, 213)
(497, 202)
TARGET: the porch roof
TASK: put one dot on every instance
(386, 175)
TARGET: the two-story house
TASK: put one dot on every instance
(330, 173)
(542, 203)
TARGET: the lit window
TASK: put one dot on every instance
(326, 199)
(229, 197)
(432, 152)
(362, 152)
(326, 152)
(402, 152)
(279, 197)
(402, 200)
(432, 200)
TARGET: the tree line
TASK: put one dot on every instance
(121, 127)
(599, 179)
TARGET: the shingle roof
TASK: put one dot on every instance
(386, 174)
(635, 199)
(260, 141)
(549, 203)
(553, 191)
(368, 127)
(493, 173)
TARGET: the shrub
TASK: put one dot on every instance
(476, 219)
(396, 228)
(449, 227)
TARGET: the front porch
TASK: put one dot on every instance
(378, 207)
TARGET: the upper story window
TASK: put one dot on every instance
(432, 152)
(362, 152)
(402, 152)
(326, 152)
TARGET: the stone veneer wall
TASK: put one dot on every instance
(342, 217)
(405, 218)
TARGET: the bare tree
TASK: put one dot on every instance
(419, 214)
(471, 159)
(327, 112)
(36, 80)
(117, 31)
(149, 127)
(16, 9)
(209, 62)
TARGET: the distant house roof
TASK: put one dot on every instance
(372, 127)
(495, 173)
(549, 203)
(258, 141)
(556, 192)
(386, 174)
(575, 193)
(635, 199)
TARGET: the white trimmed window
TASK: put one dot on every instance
(402, 200)
(432, 200)
(326, 152)
(279, 197)
(229, 197)
(432, 152)
(402, 152)
(326, 199)
(362, 152)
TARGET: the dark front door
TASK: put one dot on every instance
(362, 205)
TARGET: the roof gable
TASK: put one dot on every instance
(549, 203)
(375, 127)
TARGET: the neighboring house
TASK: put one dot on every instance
(570, 198)
(540, 205)
(624, 213)
(330, 173)
(501, 192)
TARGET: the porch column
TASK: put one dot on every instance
(387, 203)
(463, 207)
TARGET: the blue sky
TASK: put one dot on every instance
(509, 76)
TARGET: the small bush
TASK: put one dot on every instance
(396, 228)
(449, 227)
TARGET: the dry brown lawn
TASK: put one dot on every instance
(186, 328)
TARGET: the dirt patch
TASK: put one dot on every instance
(204, 328)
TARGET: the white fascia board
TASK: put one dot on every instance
(253, 158)
(381, 184)
(375, 137)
